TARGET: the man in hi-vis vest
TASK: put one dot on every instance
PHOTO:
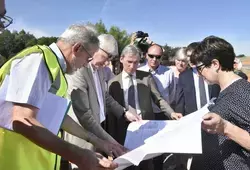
(25, 81)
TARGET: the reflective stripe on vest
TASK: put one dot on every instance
(16, 151)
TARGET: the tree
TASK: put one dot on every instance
(121, 37)
(13, 42)
(2, 60)
(100, 27)
(46, 40)
(240, 56)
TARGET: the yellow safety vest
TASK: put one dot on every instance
(16, 151)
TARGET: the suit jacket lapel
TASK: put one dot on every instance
(193, 88)
(139, 90)
(91, 79)
(102, 83)
(121, 93)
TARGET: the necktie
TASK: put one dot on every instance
(131, 93)
(203, 97)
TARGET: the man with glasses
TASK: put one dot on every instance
(163, 76)
(193, 92)
(26, 80)
(91, 101)
(164, 79)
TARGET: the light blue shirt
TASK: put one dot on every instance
(164, 79)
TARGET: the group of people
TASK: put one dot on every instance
(103, 104)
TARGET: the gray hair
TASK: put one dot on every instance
(181, 54)
(109, 44)
(85, 34)
(131, 50)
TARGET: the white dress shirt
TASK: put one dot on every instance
(125, 84)
(99, 93)
(197, 90)
(164, 79)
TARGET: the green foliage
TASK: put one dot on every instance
(240, 56)
(46, 40)
(100, 27)
(13, 42)
(121, 36)
(169, 51)
(2, 60)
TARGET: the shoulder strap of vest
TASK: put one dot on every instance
(58, 78)
(5, 69)
(51, 62)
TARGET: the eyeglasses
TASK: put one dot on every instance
(110, 56)
(5, 21)
(90, 56)
(182, 60)
(157, 57)
(200, 68)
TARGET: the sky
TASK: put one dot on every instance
(172, 22)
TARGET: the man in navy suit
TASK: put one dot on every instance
(193, 92)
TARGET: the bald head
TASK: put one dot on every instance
(155, 49)
(154, 56)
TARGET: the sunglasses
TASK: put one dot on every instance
(200, 68)
(5, 21)
(157, 57)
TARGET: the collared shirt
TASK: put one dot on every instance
(28, 83)
(59, 55)
(164, 79)
(98, 92)
(125, 84)
(197, 90)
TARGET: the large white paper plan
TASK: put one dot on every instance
(149, 139)
(52, 112)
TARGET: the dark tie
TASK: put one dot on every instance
(131, 93)
(203, 97)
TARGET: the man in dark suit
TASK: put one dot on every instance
(193, 92)
(190, 92)
(135, 90)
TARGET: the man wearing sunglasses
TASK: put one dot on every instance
(163, 76)
(164, 79)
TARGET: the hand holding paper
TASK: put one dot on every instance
(131, 115)
(149, 139)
